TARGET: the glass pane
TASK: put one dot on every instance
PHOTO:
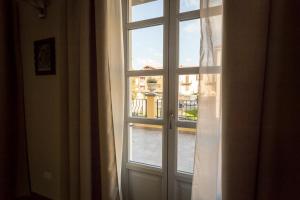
(188, 93)
(188, 97)
(213, 3)
(186, 149)
(214, 59)
(146, 48)
(190, 5)
(146, 96)
(210, 88)
(145, 9)
(145, 144)
(189, 42)
(192, 89)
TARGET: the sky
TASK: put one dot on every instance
(147, 43)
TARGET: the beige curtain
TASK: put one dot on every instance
(95, 98)
(261, 154)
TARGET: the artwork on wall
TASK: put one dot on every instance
(44, 56)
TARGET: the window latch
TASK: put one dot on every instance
(171, 118)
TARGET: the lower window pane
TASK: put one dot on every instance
(145, 144)
(186, 149)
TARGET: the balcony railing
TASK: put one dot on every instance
(187, 109)
(139, 108)
(159, 108)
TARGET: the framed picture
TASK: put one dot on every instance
(44, 56)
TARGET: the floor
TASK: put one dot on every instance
(33, 197)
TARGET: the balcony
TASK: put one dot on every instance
(187, 109)
(147, 152)
(146, 101)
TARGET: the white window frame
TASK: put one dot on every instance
(170, 72)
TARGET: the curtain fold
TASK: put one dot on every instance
(7, 111)
(207, 166)
(260, 102)
(117, 80)
(14, 180)
(95, 44)
(23, 187)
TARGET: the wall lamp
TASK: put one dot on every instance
(39, 5)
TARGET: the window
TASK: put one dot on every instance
(162, 40)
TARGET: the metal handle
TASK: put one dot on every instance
(171, 117)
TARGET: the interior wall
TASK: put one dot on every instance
(46, 101)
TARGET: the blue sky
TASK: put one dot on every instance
(147, 43)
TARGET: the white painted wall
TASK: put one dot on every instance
(46, 102)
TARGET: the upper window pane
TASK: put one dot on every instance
(214, 57)
(215, 3)
(145, 9)
(189, 5)
(146, 48)
(189, 43)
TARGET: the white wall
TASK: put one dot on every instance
(46, 102)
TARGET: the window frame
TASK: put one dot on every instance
(170, 20)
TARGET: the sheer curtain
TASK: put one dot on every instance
(116, 66)
(207, 166)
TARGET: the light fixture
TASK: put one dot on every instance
(40, 6)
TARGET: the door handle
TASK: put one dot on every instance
(171, 118)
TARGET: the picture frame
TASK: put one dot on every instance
(44, 56)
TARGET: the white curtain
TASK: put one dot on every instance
(207, 167)
(116, 63)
